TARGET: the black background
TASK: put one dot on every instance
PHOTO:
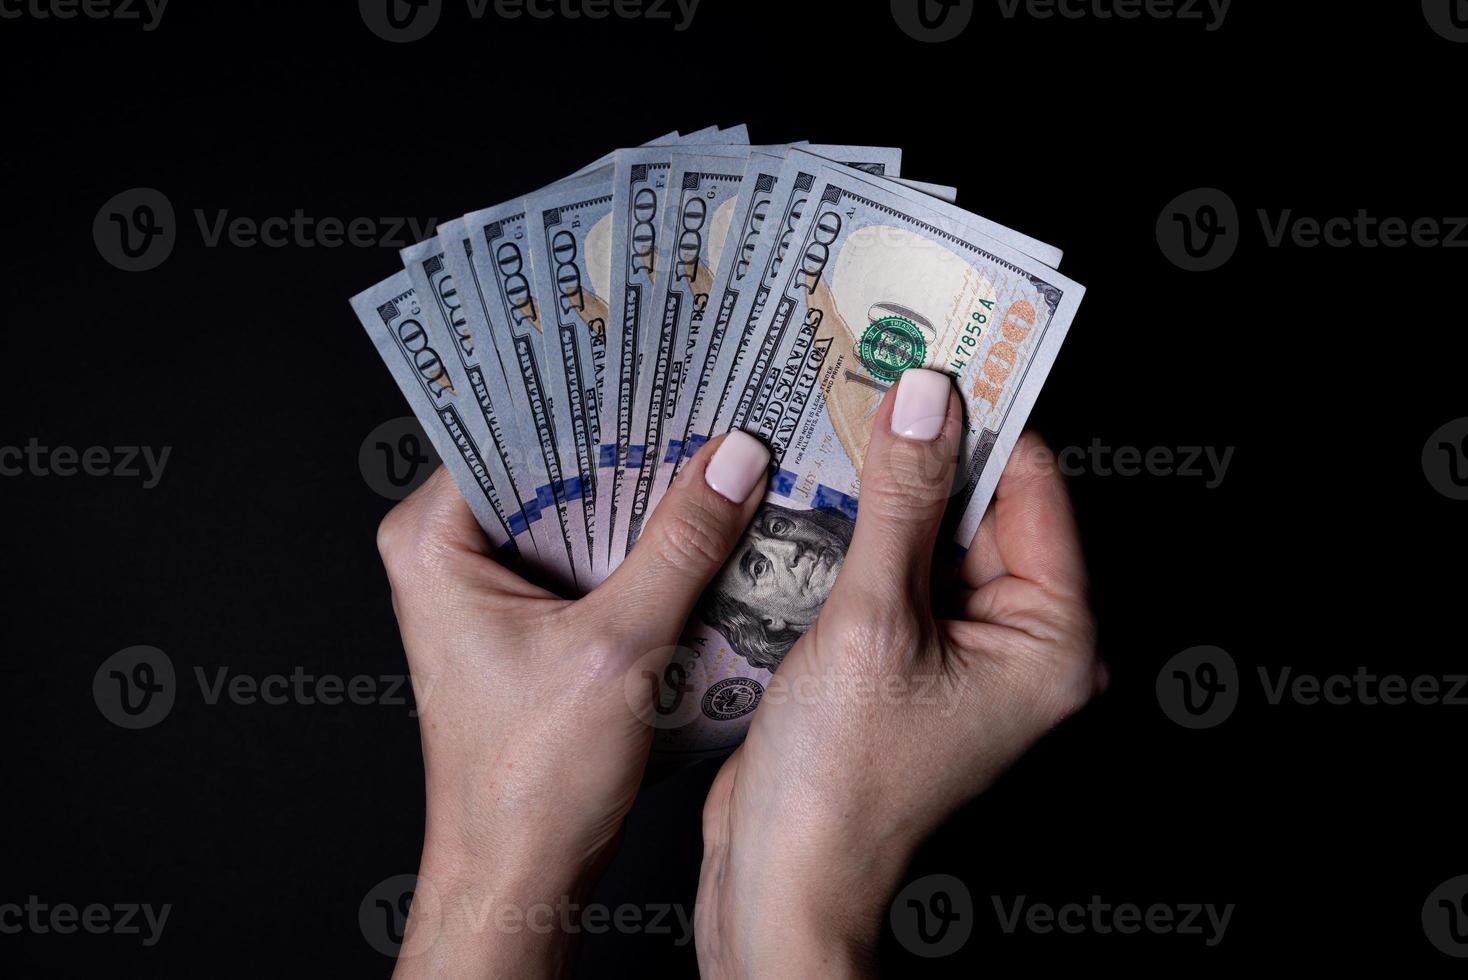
(1324, 548)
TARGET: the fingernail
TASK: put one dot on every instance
(922, 404)
(737, 467)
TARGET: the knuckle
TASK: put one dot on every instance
(916, 480)
(692, 536)
(413, 547)
(882, 636)
(392, 531)
(1066, 682)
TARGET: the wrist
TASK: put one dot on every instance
(474, 916)
(829, 904)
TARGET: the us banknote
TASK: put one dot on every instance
(733, 379)
(570, 258)
(501, 259)
(570, 289)
(397, 322)
(435, 286)
(702, 188)
(442, 268)
(748, 385)
(729, 251)
(494, 365)
(639, 189)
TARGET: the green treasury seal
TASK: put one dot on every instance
(890, 346)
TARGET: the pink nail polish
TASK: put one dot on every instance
(737, 467)
(922, 404)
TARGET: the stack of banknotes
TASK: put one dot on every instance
(567, 351)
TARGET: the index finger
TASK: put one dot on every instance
(1033, 532)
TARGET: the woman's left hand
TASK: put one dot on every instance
(533, 709)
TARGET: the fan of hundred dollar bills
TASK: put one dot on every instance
(568, 350)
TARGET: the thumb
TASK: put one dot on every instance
(906, 483)
(690, 535)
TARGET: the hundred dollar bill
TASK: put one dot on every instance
(501, 260)
(778, 195)
(396, 321)
(638, 190)
(730, 247)
(570, 225)
(492, 365)
(435, 286)
(883, 283)
(563, 284)
(702, 188)
(747, 384)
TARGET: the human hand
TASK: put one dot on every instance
(892, 718)
(534, 742)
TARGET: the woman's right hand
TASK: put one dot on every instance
(888, 718)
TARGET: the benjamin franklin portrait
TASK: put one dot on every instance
(775, 583)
